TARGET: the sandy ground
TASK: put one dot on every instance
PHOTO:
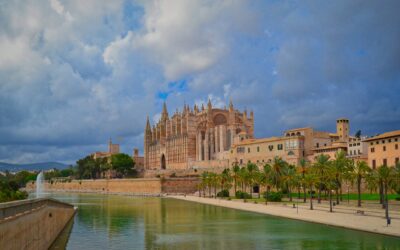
(343, 216)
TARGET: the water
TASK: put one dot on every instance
(120, 222)
(39, 185)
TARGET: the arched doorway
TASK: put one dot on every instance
(163, 164)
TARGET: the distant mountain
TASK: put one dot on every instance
(31, 166)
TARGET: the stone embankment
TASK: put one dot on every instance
(372, 219)
(139, 186)
(32, 224)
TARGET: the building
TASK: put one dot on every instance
(139, 160)
(261, 151)
(112, 149)
(195, 138)
(384, 149)
(357, 148)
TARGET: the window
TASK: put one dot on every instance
(325, 144)
(358, 144)
(390, 140)
(359, 152)
(355, 152)
(373, 164)
(371, 143)
(377, 142)
(396, 160)
(351, 152)
(317, 145)
(383, 141)
(280, 146)
(248, 150)
(395, 139)
(258, 149)
(241, 161)
(396, 146)
(271, 147)
(372, 150)
(385, 162)
(384, 148)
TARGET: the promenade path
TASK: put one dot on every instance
(344, 215)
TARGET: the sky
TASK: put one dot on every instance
(75, 73)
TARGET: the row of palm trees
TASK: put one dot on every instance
(325, 175)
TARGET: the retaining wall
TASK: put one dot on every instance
(32, 224)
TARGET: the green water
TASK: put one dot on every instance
(122, 222)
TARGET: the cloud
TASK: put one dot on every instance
(74, 73)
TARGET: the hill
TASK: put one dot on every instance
(31, 166)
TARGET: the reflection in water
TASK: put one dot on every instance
(121, 222)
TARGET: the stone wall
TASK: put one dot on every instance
(140, 186)
(180, 185)
(32, 224)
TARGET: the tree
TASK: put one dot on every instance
(358, 134)
(321, 164)
(386, 177)
(277, 170)
(123, 164)
(310, 180)
(302, 169)
(290, 179)
(360, 172)
(235, 170)
(340, 167)
(266, 180)
(252, 170)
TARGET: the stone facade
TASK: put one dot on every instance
(198, 135)
(384, 149)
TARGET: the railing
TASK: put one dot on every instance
(15, 208)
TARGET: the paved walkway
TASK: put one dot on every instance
(343, 216)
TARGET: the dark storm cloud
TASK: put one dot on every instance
(73, 74)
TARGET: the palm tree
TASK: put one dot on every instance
(235, 170)
(276, 171)
(251, 169)
(289, 178)
(266, 180)
(321, 165)
(303, 168)
(310, 180)
(386, 177)
(340, 165)
(330, 182)
(360, 172)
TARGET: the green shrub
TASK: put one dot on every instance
(242, 195)
(223, 193)
(273, 196)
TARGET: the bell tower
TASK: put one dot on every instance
(342, 129)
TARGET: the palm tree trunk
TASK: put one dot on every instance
(298, 192)
(319, 193)
(386, 203)
(330, 200)
(381, 194)
(340, 191)
(290, 194)
(337, 196)
(305, 194)
(311, 198)
(235, 184)
(359, 190)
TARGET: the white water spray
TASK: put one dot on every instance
(39, 185)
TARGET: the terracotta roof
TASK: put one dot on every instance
(330, 147)
(254, 141)
(384, 135)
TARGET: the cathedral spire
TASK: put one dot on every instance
(164, 114)
(209, 105)
(148, 127)
(230, 104)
